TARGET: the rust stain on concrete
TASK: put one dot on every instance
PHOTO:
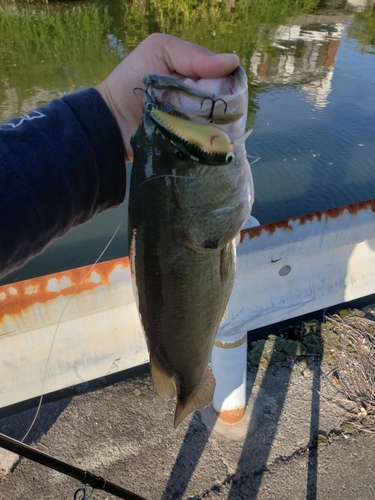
(286, 225)
(16, 297)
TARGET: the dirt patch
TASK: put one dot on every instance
(297, 343)
(353, 374)
(344, 346)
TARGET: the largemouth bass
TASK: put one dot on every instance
(191, 192)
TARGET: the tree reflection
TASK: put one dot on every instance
(363, 29)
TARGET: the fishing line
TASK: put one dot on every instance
(171, 176)
(166, 176)
(254, 158)
(57, 326)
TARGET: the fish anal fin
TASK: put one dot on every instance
(164, 383)
(200, 399)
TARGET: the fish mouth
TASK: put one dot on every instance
(225, 105)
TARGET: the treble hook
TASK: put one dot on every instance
(214, 101)
(151, 104)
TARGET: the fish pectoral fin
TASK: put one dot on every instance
(201, 398)
(164, 384)
(227, 261)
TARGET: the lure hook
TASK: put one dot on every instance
(214, 101)
(151, 104)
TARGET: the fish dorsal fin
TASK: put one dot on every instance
(201, 398)
(164, 384)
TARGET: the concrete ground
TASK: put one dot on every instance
(290, 445)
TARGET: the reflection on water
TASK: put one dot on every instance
(301, 55)
(311, 72)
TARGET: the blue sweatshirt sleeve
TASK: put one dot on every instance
(59, 166)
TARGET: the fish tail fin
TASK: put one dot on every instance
(201, 398)
(164, 383)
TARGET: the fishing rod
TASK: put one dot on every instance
(85, 477)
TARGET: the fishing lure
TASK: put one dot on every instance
(202, 142)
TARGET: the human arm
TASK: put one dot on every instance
(59, 166)
(65, 162)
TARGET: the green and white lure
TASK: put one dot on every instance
(202, 142)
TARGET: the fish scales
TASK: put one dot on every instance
(183, 217)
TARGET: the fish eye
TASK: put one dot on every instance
(229, 157)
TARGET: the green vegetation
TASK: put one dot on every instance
(363, 29)
(44, 51)
(47, 48)
(223, 26)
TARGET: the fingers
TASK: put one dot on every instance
(158, 53)
(189, 59)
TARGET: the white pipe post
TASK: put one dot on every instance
(229, 367)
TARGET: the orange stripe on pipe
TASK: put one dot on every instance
(231, 417)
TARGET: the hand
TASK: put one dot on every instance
(161, 54)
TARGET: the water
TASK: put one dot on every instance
(311, 70)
